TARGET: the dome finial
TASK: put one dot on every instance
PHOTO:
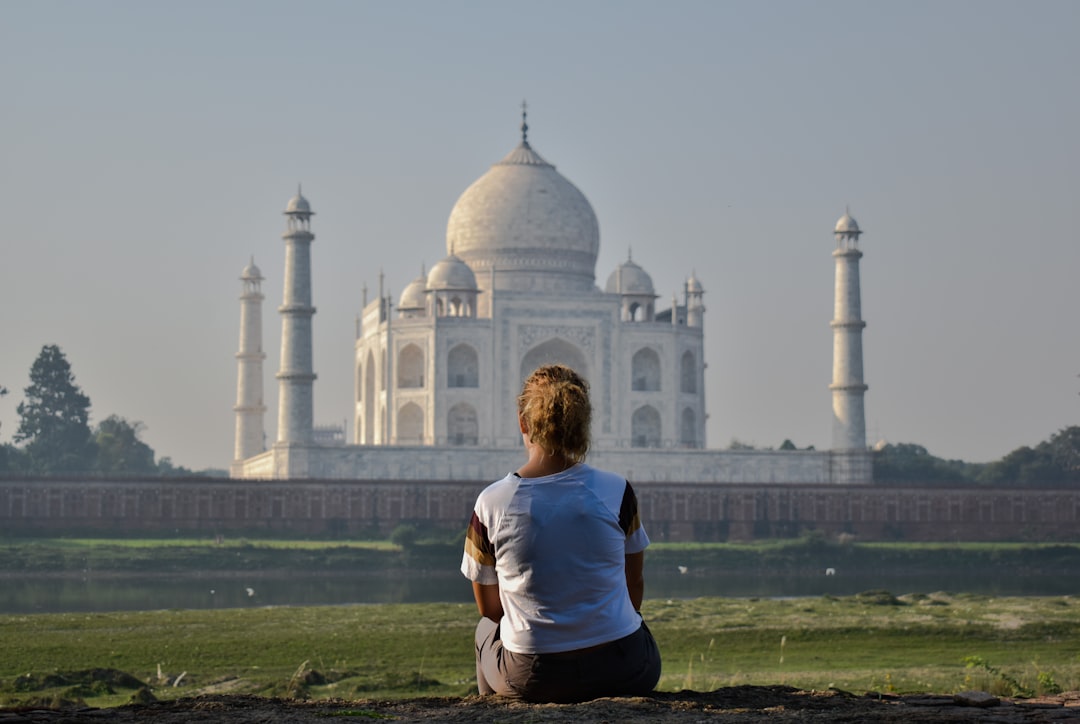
(524, 125)
(629, 253)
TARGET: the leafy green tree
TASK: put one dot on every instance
(787, 444)
(405, 535)
(54, 417)
(1024, 466)
(1052, 462)
(1064, 450)
(119, 449)
(911, 463)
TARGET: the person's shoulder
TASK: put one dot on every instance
(604, 478)
(500, 488)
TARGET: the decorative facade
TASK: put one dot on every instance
(517, 290)
(436, 375)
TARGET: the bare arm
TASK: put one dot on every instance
(635, 578)
(487, 600)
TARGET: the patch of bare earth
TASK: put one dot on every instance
(734, 704)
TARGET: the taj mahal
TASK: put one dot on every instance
(436, 371)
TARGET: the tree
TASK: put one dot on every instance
(910, 463)
(1064, 450)
(54, 417)
(1052, 462)
(119, 449)
(405, 535)
(165, 467)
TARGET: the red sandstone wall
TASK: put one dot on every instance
(671, 511)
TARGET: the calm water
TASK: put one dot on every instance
(69, 595)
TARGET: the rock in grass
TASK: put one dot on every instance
(143, 696)
(976, 698)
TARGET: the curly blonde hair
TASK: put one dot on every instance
(554, 403)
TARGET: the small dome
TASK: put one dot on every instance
(629, 278)
(298, 205)
(847, 225)
(693, 286)
(451, 274)
(413, 296)
(251, 271)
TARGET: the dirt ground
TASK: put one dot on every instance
(736, 705)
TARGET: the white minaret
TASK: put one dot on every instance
(249, 361)
(849, 417)
(695, 302)
(295, 405)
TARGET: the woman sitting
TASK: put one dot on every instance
(555, 552)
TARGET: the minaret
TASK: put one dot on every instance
(849, 417)
(249, 361)
(295, 406)
(695, 302)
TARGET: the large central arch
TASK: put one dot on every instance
(554, 351)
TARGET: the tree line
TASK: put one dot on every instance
(54, 436)
(1053, 462)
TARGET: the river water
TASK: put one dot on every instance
(36, 594)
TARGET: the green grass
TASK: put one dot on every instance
(942, 643)
(810, 553)
(86, 543)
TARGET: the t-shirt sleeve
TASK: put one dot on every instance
(478, 560)
(630, 521)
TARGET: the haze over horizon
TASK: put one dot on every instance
(150, 149)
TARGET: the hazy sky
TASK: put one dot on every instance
(150, 147)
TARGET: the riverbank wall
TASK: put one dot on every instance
(671, 511)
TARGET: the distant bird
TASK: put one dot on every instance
(250, 591)
(683, 569)
(212, 592)
(830, 571)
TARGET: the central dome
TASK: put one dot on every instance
(530, 224)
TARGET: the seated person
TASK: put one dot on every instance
(555, 552)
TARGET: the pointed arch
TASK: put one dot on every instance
(410, 424)
(462, 367)
(410, 367)
(688, 373)
(554, 351)
(688, 429)
(645, 427)
(645, 370)
(369, 400)
(462, 425)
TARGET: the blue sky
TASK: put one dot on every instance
(150, 147)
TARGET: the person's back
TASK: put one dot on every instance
(555, 552)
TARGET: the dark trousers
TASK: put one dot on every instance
(629, 666)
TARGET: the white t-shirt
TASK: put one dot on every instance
(557, 548)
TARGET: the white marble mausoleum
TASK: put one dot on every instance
(437, 370)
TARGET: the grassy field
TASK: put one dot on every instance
(810, 553)
(874, 641)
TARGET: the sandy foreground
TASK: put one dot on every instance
(734, 704)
